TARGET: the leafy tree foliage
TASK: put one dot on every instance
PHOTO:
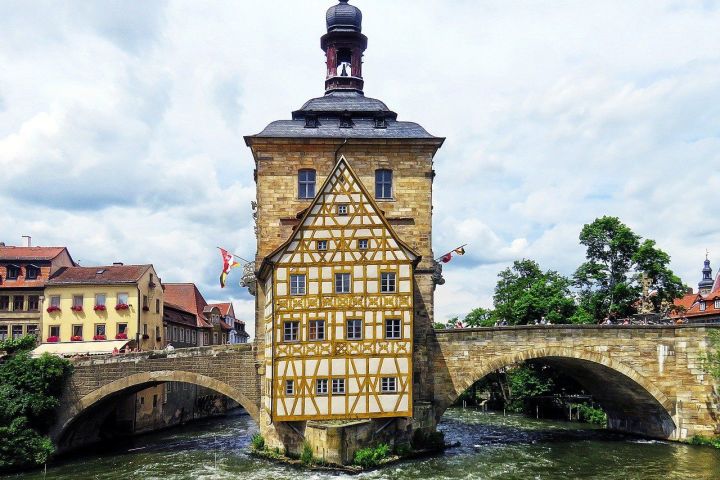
(29, 394)
(524, 294)
(610, 279)
(479, 317)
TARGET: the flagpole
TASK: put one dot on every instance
(451, 251)
(236, 256)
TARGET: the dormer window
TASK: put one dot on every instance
(13, 272)
(717, 304)
(32, 272)
(346, 121)
(312, 121)
(380, 121)
(702, 306)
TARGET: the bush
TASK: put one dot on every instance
(592, 415)
(257, 442)
(306, 457)
(706, 441)
(371, 457)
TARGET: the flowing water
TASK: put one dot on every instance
(492, 446)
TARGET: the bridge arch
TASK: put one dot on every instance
(632, 401)
(139, 381)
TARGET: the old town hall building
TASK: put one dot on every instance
(345, 269)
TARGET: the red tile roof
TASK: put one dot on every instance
(104, 275)
(187, 297)
(30, 253)
(224, 308)
(690, 305)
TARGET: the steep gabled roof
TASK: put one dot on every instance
(332, 177)
(188, 297)
(226, 308)
(30, 253)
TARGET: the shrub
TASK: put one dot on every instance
(257, 442)
(371, 457)
(592, 415)
(707, 441)
(306, 457)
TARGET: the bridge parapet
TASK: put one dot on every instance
(649, 378)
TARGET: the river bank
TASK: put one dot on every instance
(493, 446)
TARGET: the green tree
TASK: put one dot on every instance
(609, 281)
(480, 317)
(524, 293)
(30, 389)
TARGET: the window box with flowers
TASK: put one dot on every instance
(76, 308)
(146, 308)
(99, 337)
(100, 308)
(53, 308)
(76, 338)
(121, 336)
(146, 336)
(122, 306)
(53, 339)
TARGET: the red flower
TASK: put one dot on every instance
(99, 308)
(53, 339)
(122, 306)
(53, 308)
(76, 308)
(76, 338)
(99, 337)
(121, 336)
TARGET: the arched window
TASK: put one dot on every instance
(306, 183)
(383, 184)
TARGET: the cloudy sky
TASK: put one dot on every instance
(121, 125)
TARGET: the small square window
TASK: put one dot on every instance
(291, 331)
(342, 210)
(77, 331)
(289, 387)
(316, 330)
(354, 330)
(387, 282)
(32, 329)
(100, 299)
(33, 303)
(322, 245)
(31, 272)
(100, 330)
(122, 298)
(55, 301)
(363, 244)
(122, 328)
(54, 331)
(18, 302)
(297, 284)
(13, 272)
(388, 385)
(17, 331)
(393, 329)
(321, 386)
(338, 386)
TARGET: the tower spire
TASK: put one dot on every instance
(344, 45)
(706, 284)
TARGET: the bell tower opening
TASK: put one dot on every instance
(344, 45)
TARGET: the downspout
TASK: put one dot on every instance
(139, 309)
(345, 141)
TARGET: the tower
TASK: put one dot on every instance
(705, 285)
(344, 264)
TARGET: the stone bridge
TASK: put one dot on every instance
(229, 370)
(649, 379)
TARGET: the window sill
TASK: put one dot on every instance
(384, 199)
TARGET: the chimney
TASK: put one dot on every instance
(118, 264)
(29, 240)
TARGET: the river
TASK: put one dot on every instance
(493, 447)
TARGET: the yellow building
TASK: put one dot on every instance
(94, 309)
(339, 311)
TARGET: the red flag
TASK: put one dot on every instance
(228, 264)
(446, 258)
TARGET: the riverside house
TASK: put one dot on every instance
(92, 310)
(23, 273)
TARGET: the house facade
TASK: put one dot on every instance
(119, 302)
(180, 326)
(702, 306)
(237, 333)
(23, 274)
(211, 329)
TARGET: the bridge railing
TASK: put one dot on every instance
(209, 350)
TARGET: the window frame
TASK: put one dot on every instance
(321, 387)
(385, 284)
(97, 299)
(295, 289)
(33, 303)
(290, 336)
(4, 331)
(16, 331)
(124, 330)
(5, 304)
(346, 289)
(338, 386)
(55, 301)
(392, 330)
(321, 245)
(22, 303)
(121, 295)
(703, 306)
(360, 244)
(717, 304)
(385, 385)
(74, 327)
(52, 329)
(316, 330)
(306, 183)
(32, 272)
(383, 183)
(75, 302)
(289, 388)
(348, 329)
(343, 210)
(12, 268)
(98, 327)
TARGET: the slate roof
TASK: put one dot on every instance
(103, 275)
(329, 110)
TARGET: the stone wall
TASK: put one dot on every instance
(229, 370)
(648, 378)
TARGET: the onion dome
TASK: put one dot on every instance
(344, 17)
